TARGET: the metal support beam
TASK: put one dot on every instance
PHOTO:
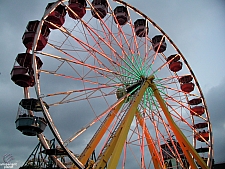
(100, 133)
(151, 145)
(124, 129)
(186, 147)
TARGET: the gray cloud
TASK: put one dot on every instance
(215, 98)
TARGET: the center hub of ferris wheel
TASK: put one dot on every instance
(135, 86)
(131, 89)
(133, 72)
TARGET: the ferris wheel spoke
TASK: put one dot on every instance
(99, 40)
(135, 45)
(87, 80)
(164, 141)
(83, 96)
(165, 80)
(121, 31)
(86, 46)
(109, 35)
(152, 148)
(203, 118)
(98, 118)
(80, 62)
(108, 29)
(161, 67)
(158, 132)
(146, 47)
(120, 57)
(92, 67)
(95, 34)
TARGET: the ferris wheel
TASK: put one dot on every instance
(106, 81)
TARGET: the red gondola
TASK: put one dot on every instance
(202, 136)
(186, 84)
(57, 16)
(29, 34)
(23, 74)
(175, 65)
(195, 101)
(197, 110)
(21, 77)
(78, 7)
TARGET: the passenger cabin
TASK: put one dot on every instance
(30, 125)
(27, 123)
(55, 151)
(197, 110)
(29, 34)
(200, 125)
(202, 150)
(100, 9)
(78, 8)
(141, 28)
(202, 136)
(21, 77)
(159, 44)
(56, 17)
(195, 101)
(174, 64)
(186, 84)
(32, 104)
(25, 60)
(121, 15)
(23, 74)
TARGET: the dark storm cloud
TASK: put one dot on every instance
(14, 17)
(215, 98)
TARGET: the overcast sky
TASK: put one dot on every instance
(196, 27)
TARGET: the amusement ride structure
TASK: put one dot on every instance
(106, 87)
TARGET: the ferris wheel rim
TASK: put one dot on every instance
(37, 86)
